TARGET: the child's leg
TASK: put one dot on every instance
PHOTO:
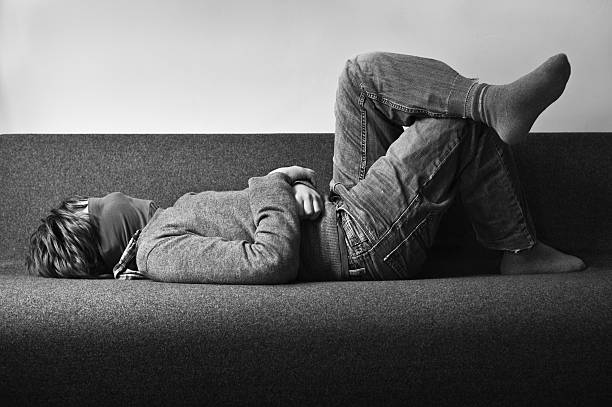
(392, 215)
(378, 93)
(493, 197)
(395, 184)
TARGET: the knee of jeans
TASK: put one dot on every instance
(353, 68)
(369, 58)
(364, 66)
(357, 67)
(349, 90)
(349, 77)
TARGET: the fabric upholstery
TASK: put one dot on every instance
(460, 335)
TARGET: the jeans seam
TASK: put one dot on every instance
(418, 227)
(346, 199)
(399, 106)
(362, 231)
(418, 193)
(452, 89)
(442, 161)
(495, 244)
(524, 227)
(396, 221)
(364, 135)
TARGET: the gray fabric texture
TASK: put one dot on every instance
(481, 340)
(38, 171)
(478, 339)
(559, 172)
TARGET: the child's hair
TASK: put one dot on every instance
(66, 244)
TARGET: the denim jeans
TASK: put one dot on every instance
(403, 151)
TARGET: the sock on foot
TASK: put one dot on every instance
(540, 259)
(512, 109)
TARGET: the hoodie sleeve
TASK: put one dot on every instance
(272, 257)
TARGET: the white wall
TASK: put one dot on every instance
(240, 66)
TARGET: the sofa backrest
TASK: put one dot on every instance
(39, 171)
(568, 179)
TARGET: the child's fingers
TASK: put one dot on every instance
(299, 199)
(317, 204)
(308, 206)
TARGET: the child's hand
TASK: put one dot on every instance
(309, 201)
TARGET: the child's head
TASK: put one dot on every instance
(66, 243)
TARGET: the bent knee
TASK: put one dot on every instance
(354, 67)
(363, 63)
(360, 68)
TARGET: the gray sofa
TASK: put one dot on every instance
(460, 334)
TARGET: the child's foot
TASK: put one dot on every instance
(540, 258)
(512, 109)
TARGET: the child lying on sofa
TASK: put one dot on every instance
(411, 133)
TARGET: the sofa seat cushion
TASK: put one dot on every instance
(545, 336)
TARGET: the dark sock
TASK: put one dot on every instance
(512, 109)
(541, 258)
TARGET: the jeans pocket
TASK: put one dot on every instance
(406, 258)
(353, 233)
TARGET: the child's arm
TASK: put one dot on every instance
(271, 258)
